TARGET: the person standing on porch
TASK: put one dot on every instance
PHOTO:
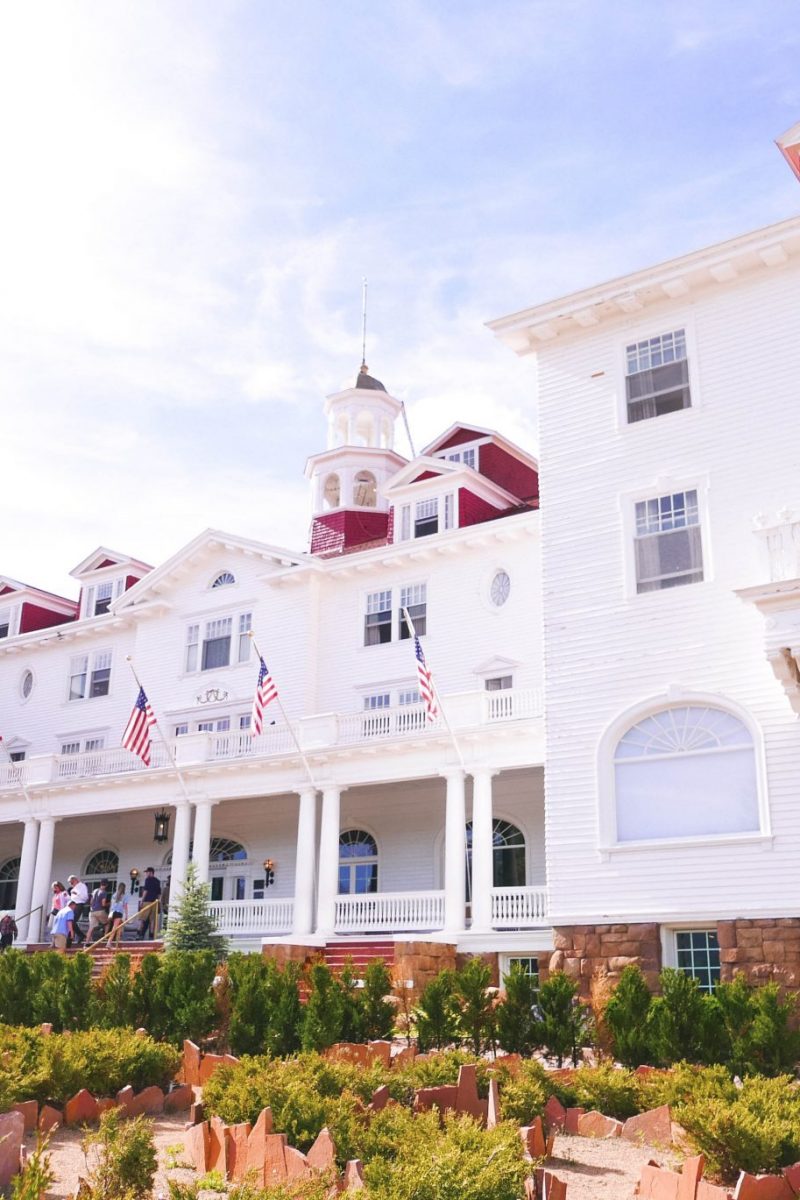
(151, 890)
(8, 931)
(79, 892)
(64, 927)
(119, 914)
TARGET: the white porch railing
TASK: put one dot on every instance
(12, 774)
(405, 721)
(241, 745)
(513, 704)
(253, 916)
(519, 908)
(390, 911)
(114, 761)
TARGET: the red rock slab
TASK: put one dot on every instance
(353, 1179)
(230, 1060)
(12, 1135)
(236, 1150)
(549, 1185)
(105, 1104)
(30, 1112)
(405, 1056)
(792, 1175)
(653, 1127)
(217, 1151)
(259, 1149)
(351, 1052)
(322, 1155)
(191, 1063)
(179, 1099)
(80, 1109)
(380, 1098)
(196, 1113)
(49, 1118)
(691, 1174)
(297, 1165)
(210, 1063)
(274, 1165)
(467, 1100)
(263, 1122)
(533, 1139)
(493, 1116)
(149, 1100)
(710, 1191)
(596, 1125)
(555, 1115)
(443, 1097)
(763, 1187)
(198, 1144)
(571, 1119)
(657, 1184)
(126, 1101)
(380, 1052)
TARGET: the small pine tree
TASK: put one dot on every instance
(564, 1022)
(475, 1002)
(351, 1004)
(379, 1012)
(626, 1016)
(191, 926)
(322, 1022)
(286, 1012)
(437, 1013)
(516, 1015)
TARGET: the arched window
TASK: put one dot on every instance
(9, 878)
(508, 857)
(365, 491)
(224, 579)
(331, 492)
(224, 850)
(358, 863)
(103, 864)
(685, 771)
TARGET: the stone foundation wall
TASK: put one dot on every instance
(763, 949)
(422, 961)
(585, 950)
(283, 952)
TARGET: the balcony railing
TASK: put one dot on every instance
(519, 908)
(467, 710)
(253, 916)
(390, 911)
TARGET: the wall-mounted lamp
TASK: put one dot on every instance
(269, 872)
(161, 830)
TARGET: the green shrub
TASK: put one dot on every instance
(475, 1004)
(564, 1023)
(437, 1014)
(626, 1018)
(114, 1004)
(379, 1012)
(250, 978)
(677, 1019)
(103, 1062)
(351, 1008)
(607, 1089)
(191, 926)
(75, 1001)
(773, 1047)
(286, 1014)
(757, 1131)
(185, 1006)
(122, 1156)
(36, 1175)
(322, 1023)
(440, 1069)
(683, 1083)
(524, 1094)
(47, 978)
(516, 1018)
(144, 995)
(15, 987)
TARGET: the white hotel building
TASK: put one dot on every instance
(619, 669)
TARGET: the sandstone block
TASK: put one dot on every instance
(711, 1191)
(274, 1158)
(149, 1100)
(555, 1115)
(353, 1179)
(81, 1109)
(557, 960)
(49, 1118)
(571, 1119)
(12, 1135)
(236, 1150)
(191, 1063)
(691, 1174)
(198, 1142)
(297, 1165)
(653, 1127)
(217, 1147)
(467, 1091)
(493, 1108)
(549, 1185)
(533, 1139)
(209, 1064)
(125, 1101)
(105, 1104)
(511, 1062)
(380, 1052)
(763, 1187)
(443, 1098)
(405, 1056)
(30, 1112)
(380, 1098)
(726, 934)
(792, 1175)
(596, 1125)
(179, 1099)
(322, 1155)
(619, 963)
(196, 1113)
(658, 1184)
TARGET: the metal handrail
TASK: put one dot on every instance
(146, 908)
(29, 913)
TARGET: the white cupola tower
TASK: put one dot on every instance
(348, 507)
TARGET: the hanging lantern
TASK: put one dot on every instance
(161, 831)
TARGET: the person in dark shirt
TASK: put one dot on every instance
(8, 931)
(151, 890)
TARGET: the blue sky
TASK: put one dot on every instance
(193, 192)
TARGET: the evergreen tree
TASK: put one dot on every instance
(286, 1012)
(322, 1023)
(379, 1012)
(191, 926)
(516, 1016)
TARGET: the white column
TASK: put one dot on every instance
(42, 877)
(180, 851)
(328, 887)
(352, 418)
(455, 832)
(27, 866)
(305, 863)
(201, 845)
(482, 851)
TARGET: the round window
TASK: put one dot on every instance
(26, 684)
(500, 588)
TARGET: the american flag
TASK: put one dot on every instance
(265, 692)
(136, 737)
(425, 683)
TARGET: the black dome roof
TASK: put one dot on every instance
(365, 380)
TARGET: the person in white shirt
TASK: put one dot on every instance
(79, 892)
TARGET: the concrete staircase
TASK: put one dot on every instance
(104, 954)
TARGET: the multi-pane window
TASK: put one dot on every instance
(426, 517)
(217, 644)
(657, 376)
(210, 647)
(192, 645)
(668, 543)
(99, 596)
(89, 744)
(697, 955)
(378, 618)
(467, 457)
(415, 600)
(182, 729)
(245, 721)
(449, 511)
(358, 863)
(376, 716)
(70, 747)
(430, 516)
(528, 963)
(89, 675)
(245, 625)
(499, 683)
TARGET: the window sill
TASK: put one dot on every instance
(711, 840)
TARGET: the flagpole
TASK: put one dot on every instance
(157, 723)
(438, 696)
(289, 726)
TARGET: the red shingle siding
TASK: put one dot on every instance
(502, 468)
(34, 617)
(472, 509)
(461, 435)
(348, 527)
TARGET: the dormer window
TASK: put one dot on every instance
(225, 579)
(426, 517)
(100, 595)
(468, 457)
(8, 622)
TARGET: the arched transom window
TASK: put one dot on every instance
(224, 850)
(508, 856)
(358, 863)
(9, 877)
(685, 771)
(103, 864)
(225, 579)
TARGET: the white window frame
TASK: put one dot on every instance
(412, 596)
(606, 829)
(94, 662)
(197, 635)
(642, 348)
(10, 614)
(662, 486)
(456, 454)
(651, 522)
(373, 603)
(404, 534)
(669, 940)
(506, 960)
(426, 509)
(116, 584)
(82, 743)
(634, 332)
